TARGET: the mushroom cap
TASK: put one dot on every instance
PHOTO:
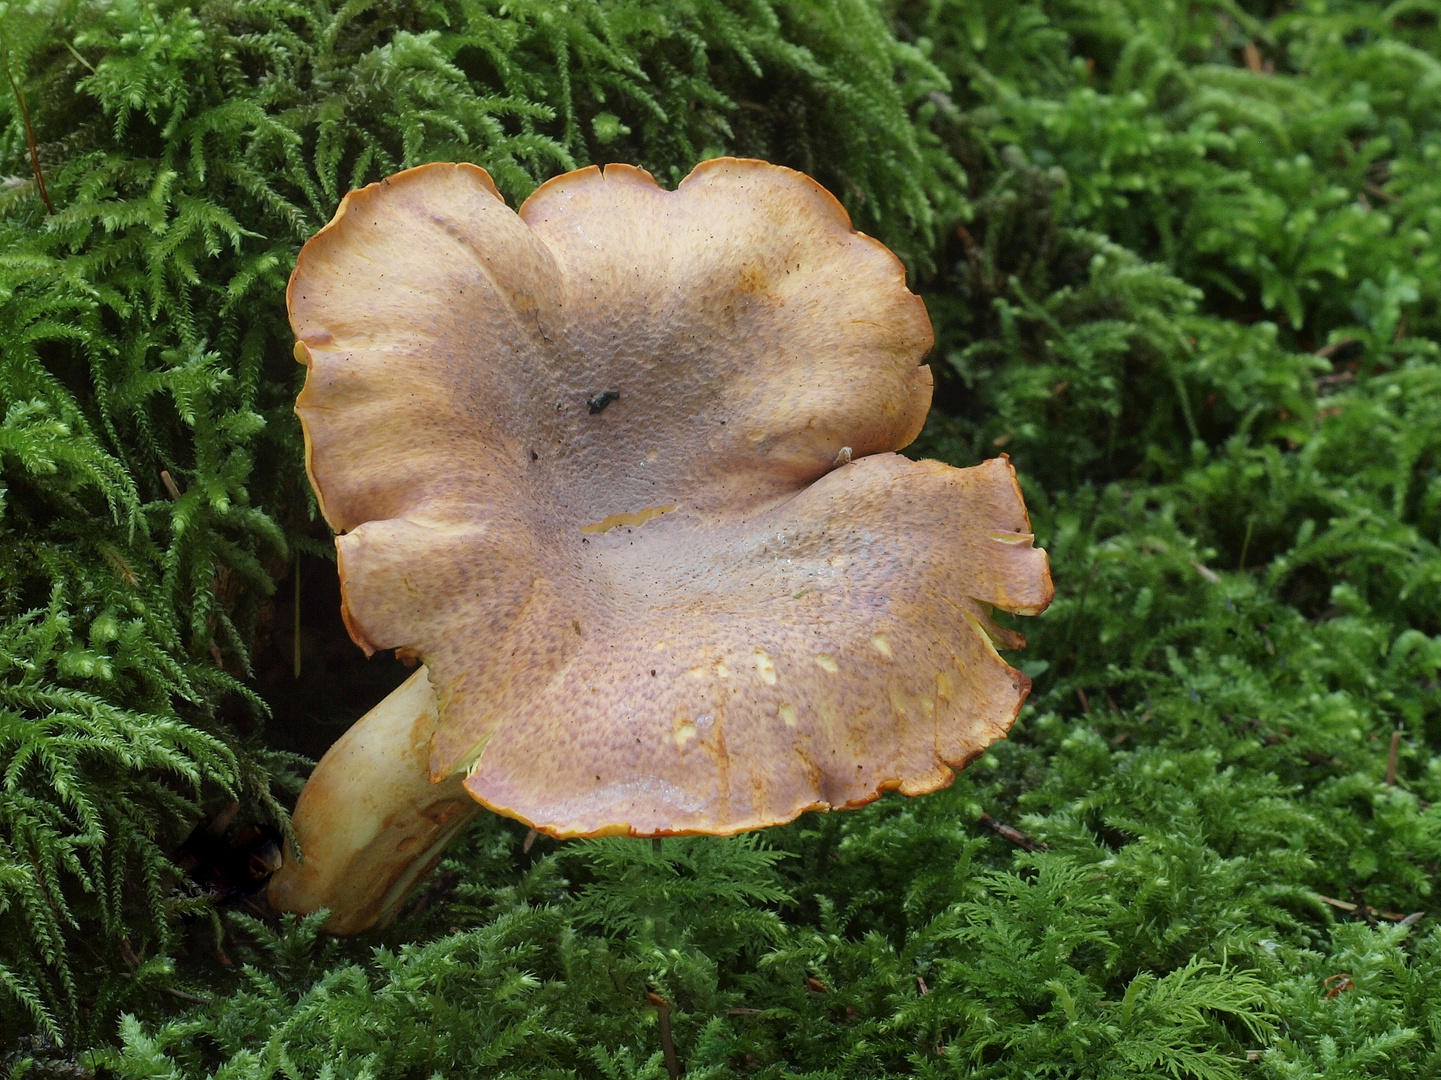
(618, 468)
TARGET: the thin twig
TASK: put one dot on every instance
(1332, 348)
(1365, 910)
(87, 63)
(667, 1043)
(1015, 836)
(29, 131)
(1207, 573)
(1370, 913)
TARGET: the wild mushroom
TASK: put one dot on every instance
(619, 469)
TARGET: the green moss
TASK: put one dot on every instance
(1182, 259)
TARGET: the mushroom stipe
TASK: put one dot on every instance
(780, 613)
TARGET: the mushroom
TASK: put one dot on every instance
(620, 469)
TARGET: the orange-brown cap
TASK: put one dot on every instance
(619, 468)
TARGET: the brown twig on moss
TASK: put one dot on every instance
(29, 131)
(1370, 914)
(1014, 835)
(667, 1042)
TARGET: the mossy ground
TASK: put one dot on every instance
(1183, 264)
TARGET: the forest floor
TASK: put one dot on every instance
(1182, 260)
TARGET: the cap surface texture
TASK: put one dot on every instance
(619, 467)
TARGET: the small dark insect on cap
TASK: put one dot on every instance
(600, 401)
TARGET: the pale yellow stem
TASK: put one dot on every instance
(370, 822)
